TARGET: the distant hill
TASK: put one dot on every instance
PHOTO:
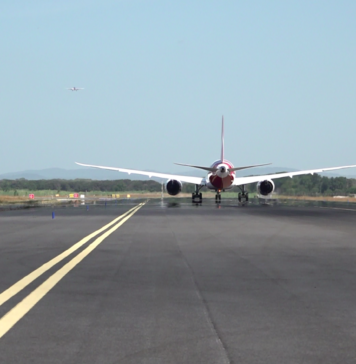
(99, 174)
(82, 173)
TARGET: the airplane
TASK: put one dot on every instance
(75, 88)
(220, 177)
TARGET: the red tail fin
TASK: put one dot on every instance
(222, 140)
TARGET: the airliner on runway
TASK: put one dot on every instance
(220, 177)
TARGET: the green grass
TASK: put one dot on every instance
(231, 194)
(25, 193)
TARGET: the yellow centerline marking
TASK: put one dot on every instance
(22, 283)
(20, 310)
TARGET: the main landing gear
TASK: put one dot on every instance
(243, 196)
(197, 196)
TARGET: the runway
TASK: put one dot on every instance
(172, 282)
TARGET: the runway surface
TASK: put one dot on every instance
(172, 282)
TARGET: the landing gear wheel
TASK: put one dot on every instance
(243, 198)
(197, 197)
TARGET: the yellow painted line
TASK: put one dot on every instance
(22, 283)
(20, 310)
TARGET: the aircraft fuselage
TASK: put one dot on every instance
(222, 179)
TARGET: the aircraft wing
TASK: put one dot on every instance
(187, 179)
(246, 180)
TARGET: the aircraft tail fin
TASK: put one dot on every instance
(222, 140)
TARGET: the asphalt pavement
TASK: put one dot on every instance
(174, 282)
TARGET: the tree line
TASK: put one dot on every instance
(316, 185)
(80, 185)
(310, 185)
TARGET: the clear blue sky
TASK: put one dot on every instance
(158, 75)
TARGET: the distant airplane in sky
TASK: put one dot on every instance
(75, 88)
(220, 177)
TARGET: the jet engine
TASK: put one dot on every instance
(173, 187)
(265, 188)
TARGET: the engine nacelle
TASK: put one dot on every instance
(173, 187)
(265, 188)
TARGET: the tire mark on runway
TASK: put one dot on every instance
(336, 208)
(225, 358)
(21, 309)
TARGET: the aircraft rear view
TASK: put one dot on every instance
(221, 174)
(220, 177)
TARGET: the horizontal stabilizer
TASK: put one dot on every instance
(256, 165)
(209, 169)
(214, 169)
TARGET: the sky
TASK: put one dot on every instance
(159, 75)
